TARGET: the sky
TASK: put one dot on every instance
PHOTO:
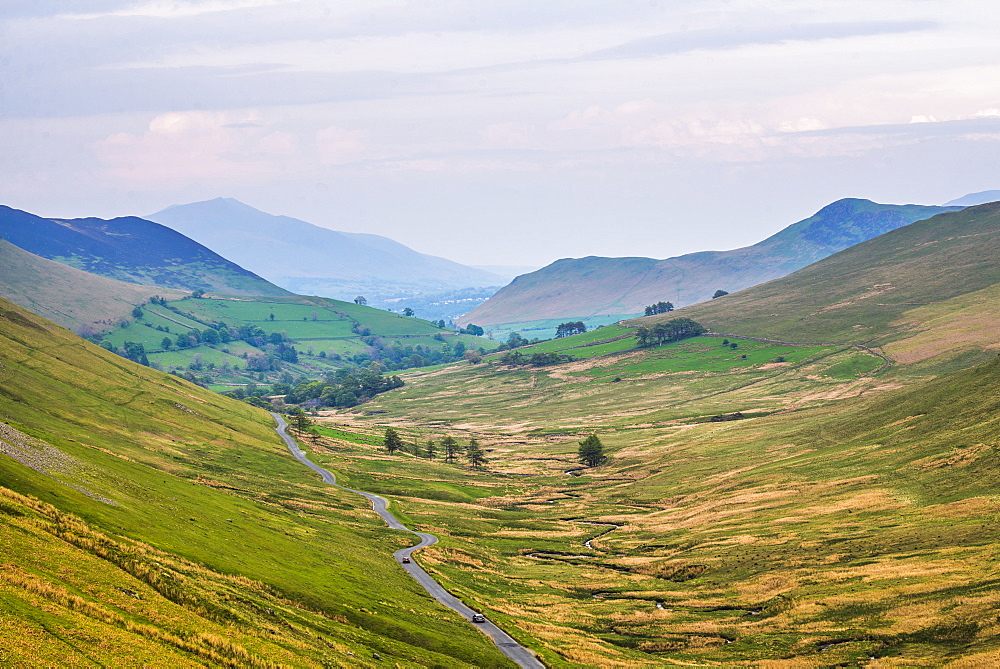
(501, 133)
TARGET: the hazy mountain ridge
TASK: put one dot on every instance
(595, 285)
(307, 258)
(130, 249)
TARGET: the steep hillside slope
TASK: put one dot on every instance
(309, 259)
(588, 286)
(130, 249)
(77, 300)
(924, 292)
(143, 517)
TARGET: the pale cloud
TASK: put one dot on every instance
(166, 9)
(511, 135)
(403, 112)
(184, 147)
(337, 145)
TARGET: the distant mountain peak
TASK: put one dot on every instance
(972, 199)
(311, 259)
(572, 288)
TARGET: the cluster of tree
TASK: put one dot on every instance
(733, 345)
(720, 293)
(134, 351)
(659, 308)
(571, 328)
(342, 389)
(517, 358)
(672, 330)
(472, 330)
(448, 447)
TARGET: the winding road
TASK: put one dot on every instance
(512, 649)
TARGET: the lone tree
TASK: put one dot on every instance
(408, 311)
(360, 299)
(392, 441)
(451, 448)
(300, 420)
(430, 448)
(591, 451)
(477, 456)
(720, 293)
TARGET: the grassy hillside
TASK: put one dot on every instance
(612, 386)
(924, 293)
(571, 289)
(145, 517)
(77, 300)
(133, 250)
(818, 537)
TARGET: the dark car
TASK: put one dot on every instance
(478, 618)
(405, 560)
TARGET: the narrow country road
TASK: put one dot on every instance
(506, 644)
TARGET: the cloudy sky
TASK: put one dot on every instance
(501, 132)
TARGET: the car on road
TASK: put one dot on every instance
(405, 560)
(478, 618)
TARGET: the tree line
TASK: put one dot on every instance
(570, 328)
(659, 308)
(448, 447)
(342, 389)
(668, 331)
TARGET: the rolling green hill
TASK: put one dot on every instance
(133, 250)
(926, 294)
(577, 288)
(145, 520)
